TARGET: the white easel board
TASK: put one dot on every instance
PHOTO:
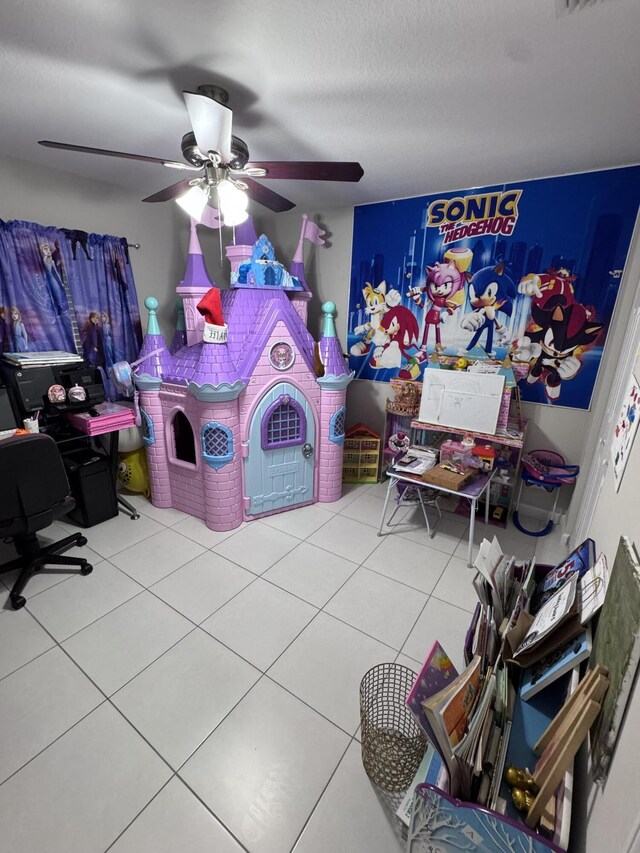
(461, 400)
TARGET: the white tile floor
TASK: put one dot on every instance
(199, 691)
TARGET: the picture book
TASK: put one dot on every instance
(431, 771)
(553, 666)
(559, 608)
(579, 561)
(436, 675)
(448, 714)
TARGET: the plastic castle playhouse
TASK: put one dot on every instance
(240, 424)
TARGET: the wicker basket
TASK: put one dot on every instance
(392, 742)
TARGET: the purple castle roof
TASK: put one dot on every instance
(196, 274)
(251, 316)
(160, 363)
(155, 359)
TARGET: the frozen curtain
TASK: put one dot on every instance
(57, 284)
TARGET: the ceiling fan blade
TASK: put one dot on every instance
(309, 171)
(267, 197)
(169, 192)
(83, 149)
(211, 122)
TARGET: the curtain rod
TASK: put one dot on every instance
(133, 245)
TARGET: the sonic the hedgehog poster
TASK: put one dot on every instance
(529, 270)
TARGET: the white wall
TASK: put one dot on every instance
(612, 821)
(52, 197)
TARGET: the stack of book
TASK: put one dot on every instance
(521, 631)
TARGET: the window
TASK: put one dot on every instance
(184, 448)
(217, 444)
(148, 434)
(336, 426)
(284, 424)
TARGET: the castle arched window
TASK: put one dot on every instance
(183, 442)
(284, 424)
(148, 432)
(217, 444)
(336, 425)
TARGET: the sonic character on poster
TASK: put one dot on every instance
(529, 270)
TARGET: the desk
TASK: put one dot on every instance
(473, 492)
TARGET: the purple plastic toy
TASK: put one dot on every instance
(244, 428)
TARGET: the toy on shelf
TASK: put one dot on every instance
(236, 423)
(544, 469)
(406, 399)
(361, 455)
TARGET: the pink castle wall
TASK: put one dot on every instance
(157, 452)
(330, 469)
(187, 491)
(223, 487)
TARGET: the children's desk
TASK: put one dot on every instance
(472, 492)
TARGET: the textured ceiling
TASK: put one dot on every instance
(426, 94)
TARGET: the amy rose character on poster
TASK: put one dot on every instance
(444, 293)
(397, 333)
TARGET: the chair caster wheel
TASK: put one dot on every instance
(82, 541)
(18, 601)
(86, 570)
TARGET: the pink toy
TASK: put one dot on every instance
(237, 425)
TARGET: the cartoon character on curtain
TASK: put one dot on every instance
(20, 336)
(6, 332)
(107, 339)
(54, 281)
(92, 341)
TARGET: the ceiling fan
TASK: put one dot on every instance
(223, 164)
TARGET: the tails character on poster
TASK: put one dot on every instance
(490, 291)
(397, 333)
(377, 302)
(560, 331)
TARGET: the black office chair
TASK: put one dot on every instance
(34, 491)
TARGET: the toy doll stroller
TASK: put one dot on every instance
(544, 469)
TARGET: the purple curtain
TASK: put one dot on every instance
(56, 284)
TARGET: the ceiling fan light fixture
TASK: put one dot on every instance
(232, 202)
(194, 202)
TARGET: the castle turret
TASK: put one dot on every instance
(216, 384)
(180, 335)
(192, 288)
(155, 362)
(333, 386)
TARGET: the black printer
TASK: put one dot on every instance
(30, 386)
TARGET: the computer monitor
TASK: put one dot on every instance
(8, 419)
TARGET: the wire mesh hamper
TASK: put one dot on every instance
(392, 742)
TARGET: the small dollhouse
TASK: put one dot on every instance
(361, 455)
(239, 425)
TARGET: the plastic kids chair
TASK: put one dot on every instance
(544, 469)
